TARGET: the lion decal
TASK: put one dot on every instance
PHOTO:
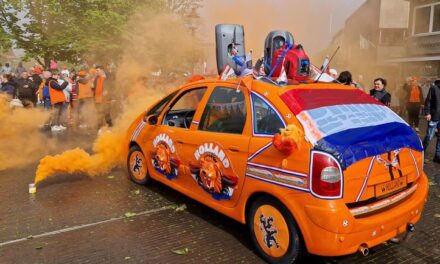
(164, 161)
(208, 173)
(269, 231)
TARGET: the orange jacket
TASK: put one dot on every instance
(84, 88)
(56, 91)
(99, 89)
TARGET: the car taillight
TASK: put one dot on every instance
(326, 179)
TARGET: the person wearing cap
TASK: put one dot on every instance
(57, 99)
(432, 115)
(64, 70)
(414, 101)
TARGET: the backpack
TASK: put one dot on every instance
(296, 63)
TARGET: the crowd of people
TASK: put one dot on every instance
(74, 98)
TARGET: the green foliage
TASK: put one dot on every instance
(74, 31)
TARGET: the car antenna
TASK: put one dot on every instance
(234, 38)
(325, 67)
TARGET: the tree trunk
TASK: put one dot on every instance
(46, 62)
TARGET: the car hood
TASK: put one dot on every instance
(348, 123)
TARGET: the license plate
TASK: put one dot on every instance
(391, 186)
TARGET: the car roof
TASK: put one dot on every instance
(261, 86)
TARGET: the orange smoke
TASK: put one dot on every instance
(21, 142)
(108, 154)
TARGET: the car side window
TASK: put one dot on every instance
(266, 119)
(157, 109)
(225, 111)
(183, 109)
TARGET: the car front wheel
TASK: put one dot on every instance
(274, 231)
(137, 166)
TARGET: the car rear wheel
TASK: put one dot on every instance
(137, 166)
(274, 232)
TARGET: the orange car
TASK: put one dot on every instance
(317, 167)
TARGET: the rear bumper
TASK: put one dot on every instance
(329, 229)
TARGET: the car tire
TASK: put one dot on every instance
(137, 166)
(274, 232)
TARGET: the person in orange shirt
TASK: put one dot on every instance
(101, 98)
(84, 96)
(57, 99)
(414, 102)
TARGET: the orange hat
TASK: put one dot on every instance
(82, 73)
(38, 70)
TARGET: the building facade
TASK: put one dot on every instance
(373, 34)
(423, 44)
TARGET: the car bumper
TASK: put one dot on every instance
(330, 229)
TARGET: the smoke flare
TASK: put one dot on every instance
(108, 154)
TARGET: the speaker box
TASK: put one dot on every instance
(225, 36)
(274, 41)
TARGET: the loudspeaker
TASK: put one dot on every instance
(274, 41)
(226, 36)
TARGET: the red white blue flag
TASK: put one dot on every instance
(349, 123)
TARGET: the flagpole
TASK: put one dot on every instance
(325, 68)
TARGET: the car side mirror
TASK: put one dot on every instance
(151, 119)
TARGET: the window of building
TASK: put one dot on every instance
(392, 36)
(436, 23)
(426, 19)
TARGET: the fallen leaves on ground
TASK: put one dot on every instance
(182, 251)
(437, 215)
(137, 192)
(431, 183)
(129, 214)
(110, 177)
(127, 258)
(181, 208)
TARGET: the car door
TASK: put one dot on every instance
(218, 146)
(166, 138)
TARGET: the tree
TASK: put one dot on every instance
(72, 31)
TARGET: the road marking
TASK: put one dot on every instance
(73, 228)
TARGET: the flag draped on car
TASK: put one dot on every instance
(349, 123)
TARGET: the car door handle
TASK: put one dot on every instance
(234, 148)
(180, 141)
